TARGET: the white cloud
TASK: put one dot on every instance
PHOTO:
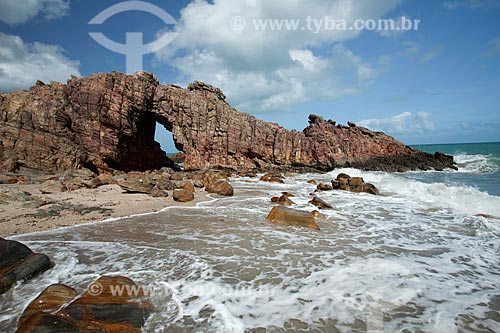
(16, 11)
(403, 123)
(21, 64)
(271, 70)
(492, 48)
(472, 4)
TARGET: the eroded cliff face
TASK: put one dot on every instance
(213, 134)
(107, 121)
(104, 121)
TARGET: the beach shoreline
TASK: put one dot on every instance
(24, 209)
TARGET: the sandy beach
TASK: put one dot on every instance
(24, 209)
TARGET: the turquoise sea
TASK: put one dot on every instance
(478, 166)
(421, 257)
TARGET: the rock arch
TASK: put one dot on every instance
(107, 121)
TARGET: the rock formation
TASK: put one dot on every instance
(292, 217)
(19, 263)
(107, 121)
(100, 309)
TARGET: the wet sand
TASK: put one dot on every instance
(24, 209)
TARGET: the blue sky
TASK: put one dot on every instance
(438, 84)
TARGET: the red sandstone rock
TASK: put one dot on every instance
(100, 309)
(220, 187)
(292, 217)
(183, 195)
(107, 121)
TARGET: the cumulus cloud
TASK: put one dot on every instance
(262, 70)
(16, 12)
(21, 64)
(403, 123)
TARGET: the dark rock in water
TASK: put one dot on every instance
(44, 322)
(312, 182)
(317, 214)
(353, 184)
(320, 203)
(343, 175)
(100, 309)
(487, 216)
(324, 187)
(416, 161)
(220, 187)
(370, 188)
(273, 178)
(107, 121)
(292, 217)
(183, 195)
(110, 308)
(18, 263)
(50, 301)
(247, 173)
(283, 200)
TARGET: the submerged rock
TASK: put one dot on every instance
(354, 184)
(324, 187)
(50, 300)
(99, 309)
(283, 200)
(273, 178)
(320, 203)
(317, 214)
(19, 263)
(292, 217)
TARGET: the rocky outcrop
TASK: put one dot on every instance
(283, 200)
(320, 203)
(19, 263)
(220, 187)
(292, 217)
(107, 121)
(183, 196)
(101, 122)
(353, 184)
(100, 309)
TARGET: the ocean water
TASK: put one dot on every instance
(418, 258)
(478, 163)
